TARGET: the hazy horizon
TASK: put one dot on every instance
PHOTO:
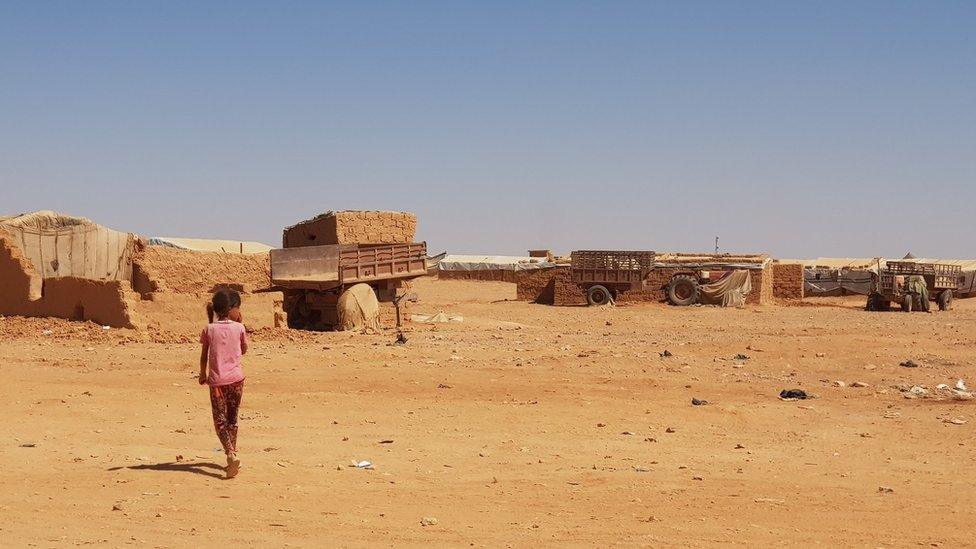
(799, 130)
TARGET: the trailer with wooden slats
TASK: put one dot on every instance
(313, 277)
(941, 282)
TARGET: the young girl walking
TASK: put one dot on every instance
(224, 342)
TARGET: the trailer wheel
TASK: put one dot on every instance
(945, 300)
(598, 295)
(874, 303)
(296, 310)
(906, 303)
(683, 290)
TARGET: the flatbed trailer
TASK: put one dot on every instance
(313, 277)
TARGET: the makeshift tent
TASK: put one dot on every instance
(827, 282)
(730, 291)
(64, 246)
(454, 262)
(359, 309)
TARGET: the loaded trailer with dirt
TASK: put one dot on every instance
(329, 254)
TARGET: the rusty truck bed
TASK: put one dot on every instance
(334, 265)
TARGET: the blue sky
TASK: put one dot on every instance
(801, 129)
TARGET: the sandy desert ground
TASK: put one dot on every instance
(522, 425)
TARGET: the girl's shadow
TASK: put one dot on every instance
(198, 468)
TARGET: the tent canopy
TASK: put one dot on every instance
(61, 245)
(454, 262)
(207, 245)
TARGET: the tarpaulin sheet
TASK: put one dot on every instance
(491, 263)
(713, 265)
(208, 245)
(730, 291)
(359, 309)
(836, 282)
(64, 246)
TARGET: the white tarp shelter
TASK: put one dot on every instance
(852, 273)
(454, 262)
(60, 245)
(207, 245)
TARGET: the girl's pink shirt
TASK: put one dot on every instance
(227, 339)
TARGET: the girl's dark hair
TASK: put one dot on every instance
(220, 304)
(234, 297)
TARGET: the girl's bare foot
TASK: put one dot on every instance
(233, 465)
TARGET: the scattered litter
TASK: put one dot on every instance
(821, 355)
(885, 489)
(443, 386)
(740, 356)
(106, 328)
(387, 441)
(669, 430)
(428, 521)
(179, 458)
(281, 464)
(909, 364)
(28, 445)
(859, 384)
(697, 402)
(955, 421)
(918, 390)
(628, 433)
(961, 385)
(840, 383)
(47, 332)
(436, 318)
(793, 394)
(117, 507)
(665, 354)
(362, 464)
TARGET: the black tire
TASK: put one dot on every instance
(945, 300)
(906, 302)
(876, 302)
(683, 290)
(598, 295)
(296, 311)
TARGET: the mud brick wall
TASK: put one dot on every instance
(536, 285)
(788, 281)
(163, 269)
(655, 282)
(565, 291)
(762, 286)
(18, 279)
(353, 227)
(491, 275)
